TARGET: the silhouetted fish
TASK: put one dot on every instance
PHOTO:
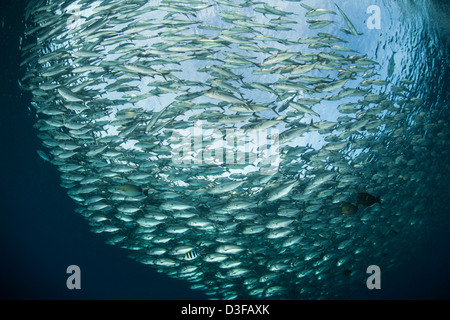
(367, 199)
(349, 208)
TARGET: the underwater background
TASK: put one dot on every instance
(41, 234)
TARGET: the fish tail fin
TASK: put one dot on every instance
(274, 110)
(378, 199)
(145, 192)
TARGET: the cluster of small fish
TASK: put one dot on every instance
(111, 81)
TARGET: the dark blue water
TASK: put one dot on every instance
(41, 234)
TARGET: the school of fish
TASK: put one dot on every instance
(117, 86)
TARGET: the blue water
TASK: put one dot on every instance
(41, 234)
